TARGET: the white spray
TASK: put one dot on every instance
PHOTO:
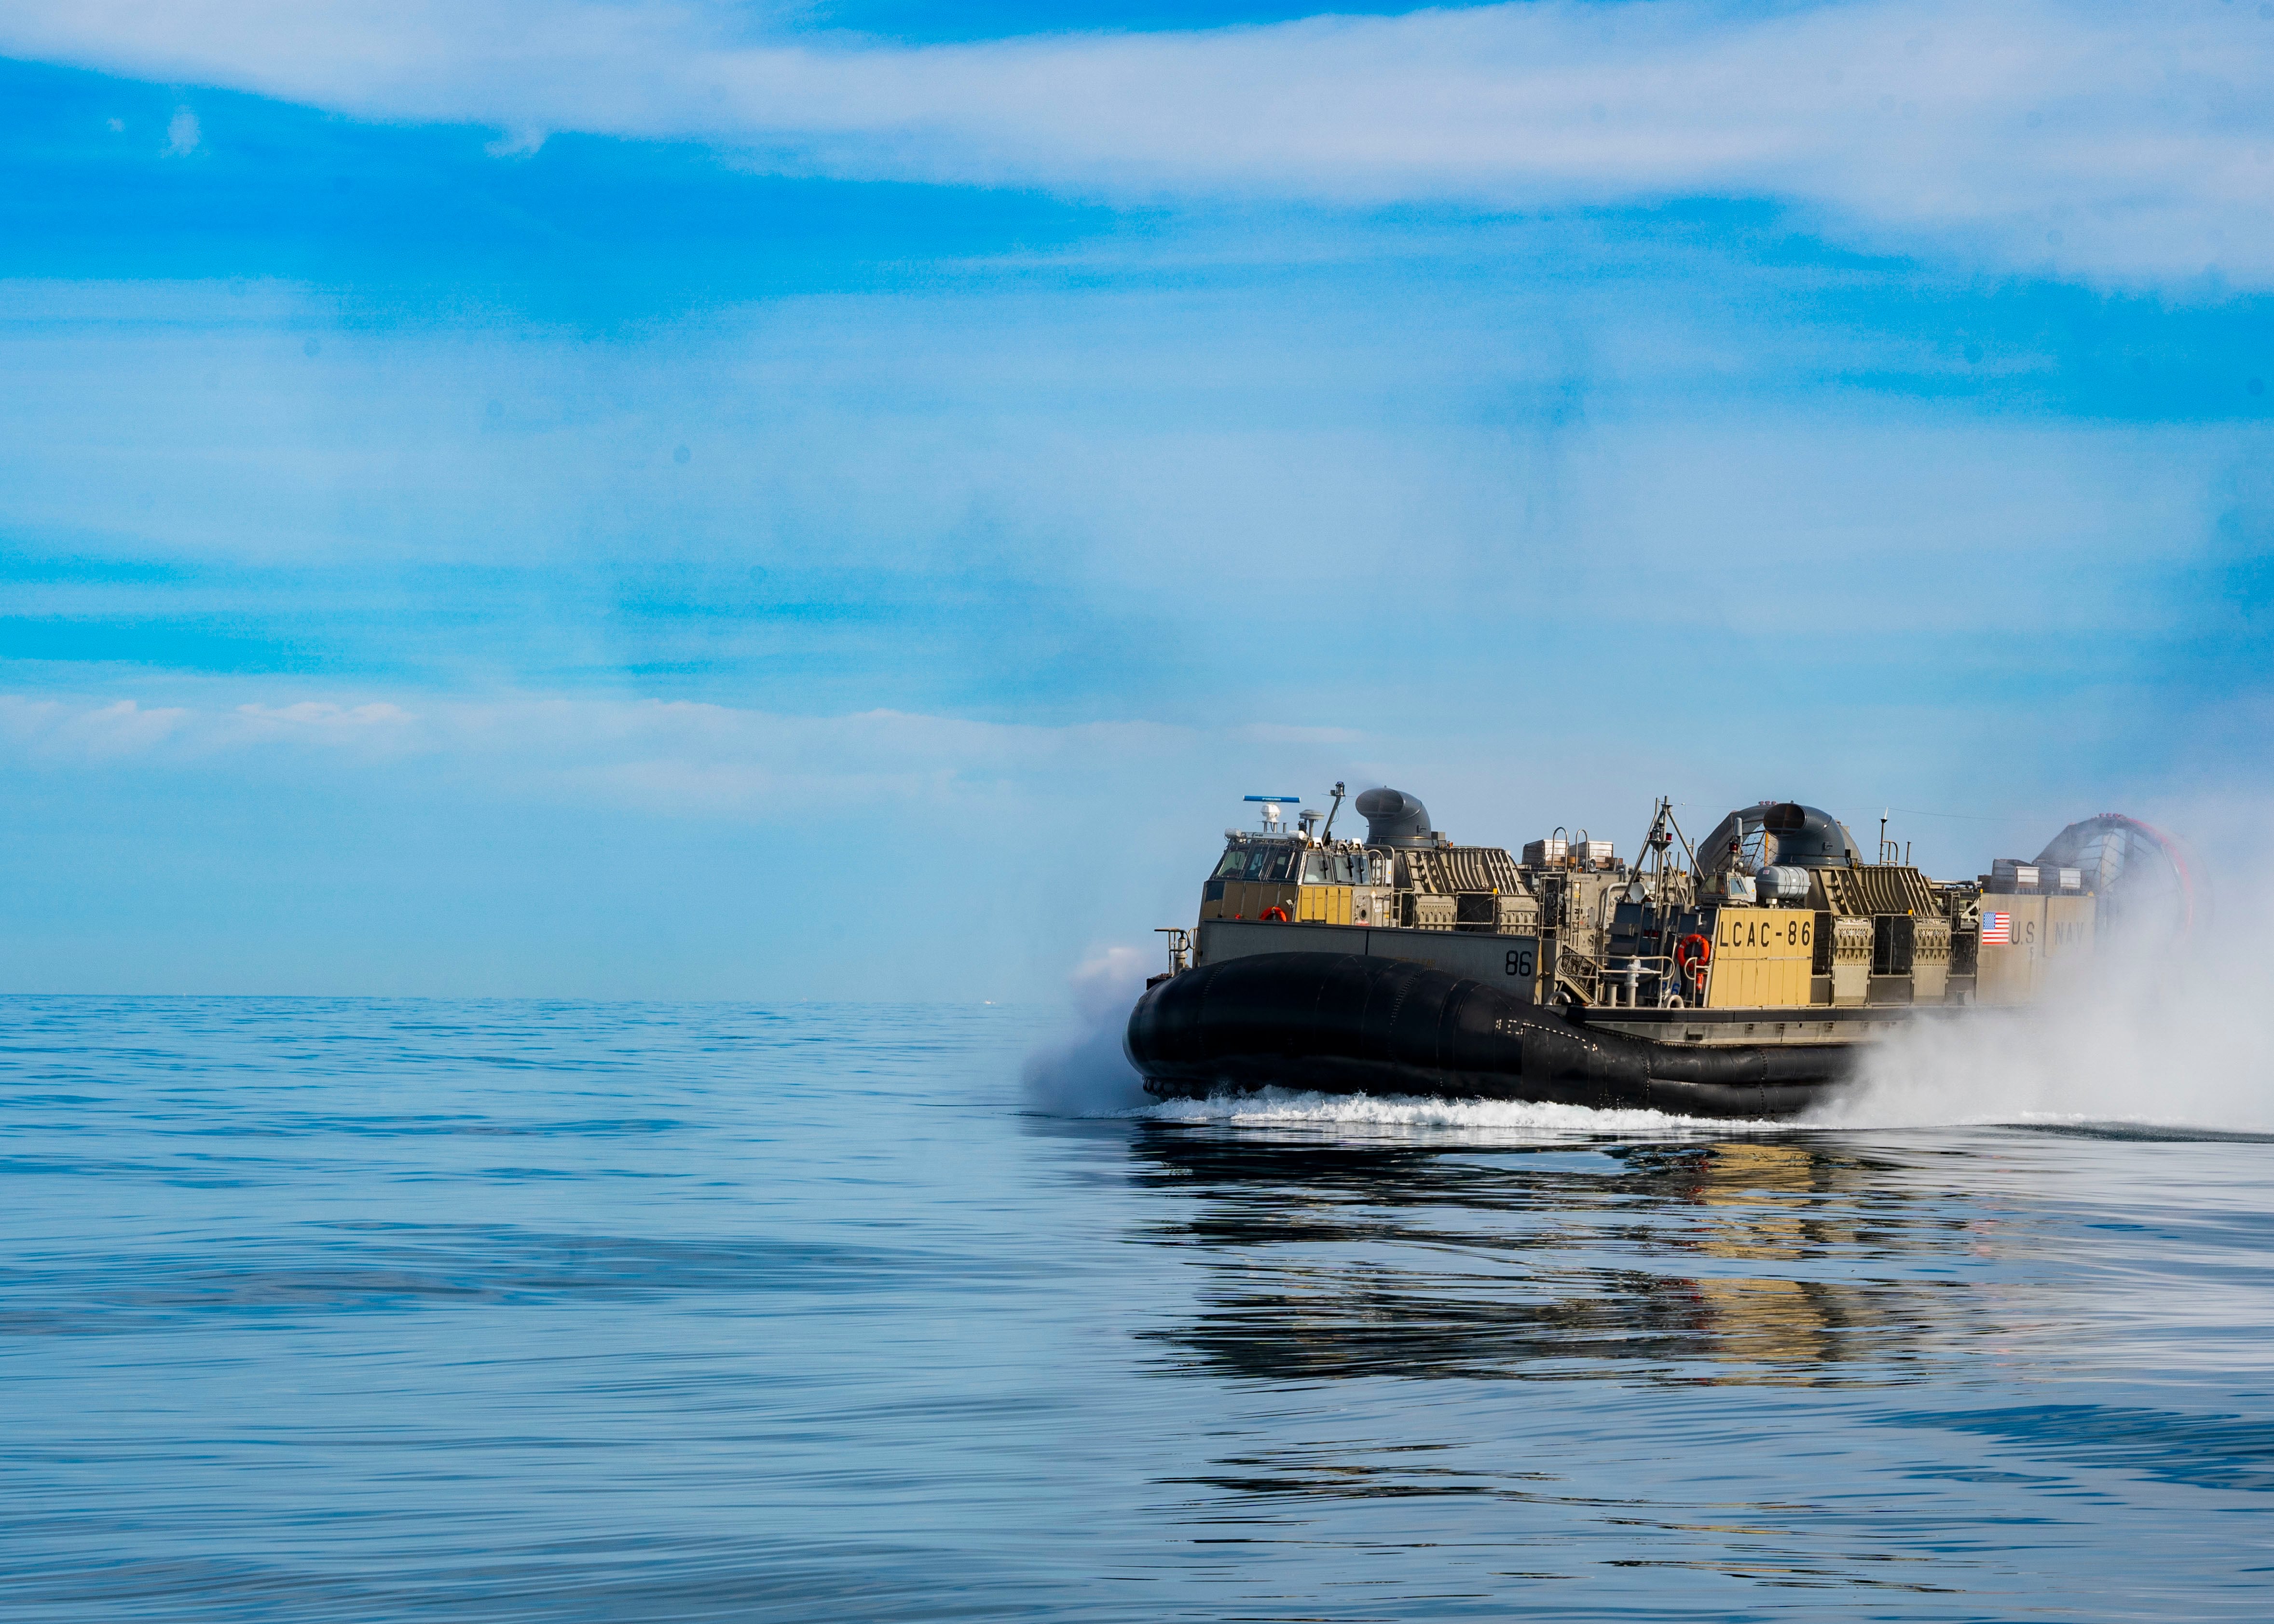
(1087, 1075)
(2177, 1033)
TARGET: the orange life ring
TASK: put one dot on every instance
(1274, 912)
(1692, 954)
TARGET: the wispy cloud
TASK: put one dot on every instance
(673, 758)
(182, 134)
(53, 730)
(2119, 142)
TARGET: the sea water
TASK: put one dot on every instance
(373, 1310)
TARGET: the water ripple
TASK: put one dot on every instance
(393, 1311)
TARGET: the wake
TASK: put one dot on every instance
(1391, 1115)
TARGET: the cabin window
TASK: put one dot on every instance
(1234, 864)
(1259, 857)
(1342, 876)
(1317, 870)
(1282, 861)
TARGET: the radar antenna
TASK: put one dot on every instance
(1271, 805)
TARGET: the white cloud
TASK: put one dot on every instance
(66, 730)
(322, 721)
(653, 755)
(91, 733)
(2124, 142)
(182, 134)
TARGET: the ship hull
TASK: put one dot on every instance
(1343, 1023)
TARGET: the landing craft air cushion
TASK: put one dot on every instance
(1741, 976)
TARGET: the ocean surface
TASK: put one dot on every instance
(374, 1310)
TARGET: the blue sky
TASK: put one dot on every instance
(628, 500)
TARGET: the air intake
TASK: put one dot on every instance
(1394, 818)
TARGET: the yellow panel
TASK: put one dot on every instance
(1761, 958)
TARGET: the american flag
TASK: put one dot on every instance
(1996, 930)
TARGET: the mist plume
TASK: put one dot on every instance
(1087, 1075)
(2177, 1033)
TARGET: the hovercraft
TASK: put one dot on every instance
(1741, 975)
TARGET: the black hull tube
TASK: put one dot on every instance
(1346, 1024)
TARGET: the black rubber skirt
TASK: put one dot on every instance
(1343, 1024)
